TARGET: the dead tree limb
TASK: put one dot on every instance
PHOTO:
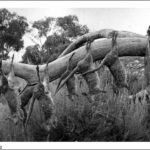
(127, 47)
(104, 33)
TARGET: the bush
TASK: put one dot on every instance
(111, 117)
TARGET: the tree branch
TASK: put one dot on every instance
(127, 47)
(104, 33)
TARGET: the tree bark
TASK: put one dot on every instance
(104, 33)
(127, 47)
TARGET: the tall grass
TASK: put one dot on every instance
(111, 117)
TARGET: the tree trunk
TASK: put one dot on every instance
(127, 47)
(104, 33)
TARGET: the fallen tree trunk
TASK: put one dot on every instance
(127, 47)
(104, 33)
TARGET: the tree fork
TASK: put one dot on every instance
(127, 47)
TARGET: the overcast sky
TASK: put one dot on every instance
(130, 19)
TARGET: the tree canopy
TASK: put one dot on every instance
(13, 28)
(71, 27)
(43, 26)
(32, 55)
(68, 29)
(63, 32)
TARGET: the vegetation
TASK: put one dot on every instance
(110, 118)
(58, 34)
(12, 29)
(113, 116)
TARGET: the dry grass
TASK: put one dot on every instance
(111, 117)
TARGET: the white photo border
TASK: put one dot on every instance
(75, 4)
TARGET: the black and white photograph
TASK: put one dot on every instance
(74, 74)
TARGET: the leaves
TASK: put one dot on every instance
(13, 27)
(63, 30)
(67, 28)
(71, 27)
(43, 26)
(32, 55)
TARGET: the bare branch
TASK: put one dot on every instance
(104, 33)
(127, 47)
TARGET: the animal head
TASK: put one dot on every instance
(47, 112)
(50, 123)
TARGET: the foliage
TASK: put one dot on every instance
(32, 55)
(14, 27)
(70, 26)
(54, 45)
(66, 29)
(111, 117)
(43, 26)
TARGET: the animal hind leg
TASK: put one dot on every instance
(25, 115)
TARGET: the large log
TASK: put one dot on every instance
(127, 47)
(104, 33)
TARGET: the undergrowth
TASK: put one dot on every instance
(111, 117)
